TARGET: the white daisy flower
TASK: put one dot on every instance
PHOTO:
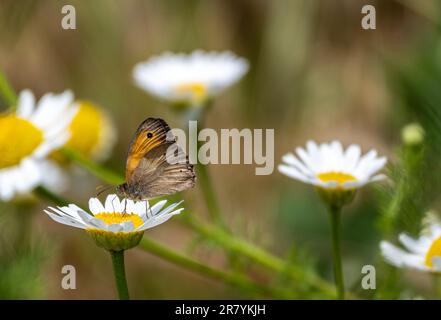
(328, 166)
(115, 225)
(27, 136)
(423, 253)
(190, 79)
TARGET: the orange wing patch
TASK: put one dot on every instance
(141, 146)
(150, 134)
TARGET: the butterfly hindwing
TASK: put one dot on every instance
(163, 171)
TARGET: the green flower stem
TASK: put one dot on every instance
(227, 277)
(335, 213)
(43, 192)
(7, 92)
(24, 216)
(403, 194)
(99, 171)
(436, 284)
(119, 271)
(207, 187)
(260, 256)
(204, 177)
(208, 192)
(206, 184)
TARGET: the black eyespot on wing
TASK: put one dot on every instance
(149, 135)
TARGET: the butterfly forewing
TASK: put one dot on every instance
(150, 134)
(156, 165)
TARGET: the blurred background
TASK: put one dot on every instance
(314, 74)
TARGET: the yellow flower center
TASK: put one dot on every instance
(197, 90)
(18, 139)
(116, 217)
(339, 177)
(85, 129)
(434, 251)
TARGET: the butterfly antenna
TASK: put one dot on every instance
(101, 189)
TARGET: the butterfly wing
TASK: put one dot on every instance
(150, 134)
(156, 165)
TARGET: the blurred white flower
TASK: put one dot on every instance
(423, 253)
(189, 79)
(55, 179)
(27, 136)
(115, 225)
(328, 166)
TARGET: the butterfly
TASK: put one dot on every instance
(156, 166)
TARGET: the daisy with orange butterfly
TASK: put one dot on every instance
(151, 171)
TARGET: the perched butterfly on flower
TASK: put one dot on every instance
(156, 166)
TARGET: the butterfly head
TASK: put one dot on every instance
(122, 190)
(131, 192)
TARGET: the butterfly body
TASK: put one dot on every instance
(156, 166)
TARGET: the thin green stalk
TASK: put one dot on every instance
(209, 194)
(208, 191)
(119, 271)
(227, 277)
(436, 284)
(204, 178)
(99, 171)
(24, 217)
(260, 256)
(7, 92)
(335, 213)
(43, 192)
